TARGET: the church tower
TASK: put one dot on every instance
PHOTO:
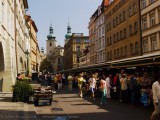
(68, 35)
(50, 42)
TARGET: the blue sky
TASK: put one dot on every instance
(57, 12)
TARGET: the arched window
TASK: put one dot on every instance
(50, 44)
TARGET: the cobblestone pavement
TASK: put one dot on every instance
(71, 106)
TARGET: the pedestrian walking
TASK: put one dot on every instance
(70, 81)
(108, 85)
(80, 83)
(156, 99)
(92, 86)
(103, 89)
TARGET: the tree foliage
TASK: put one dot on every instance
(46, 66)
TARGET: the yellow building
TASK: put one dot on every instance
(73, 49)
(34, 48)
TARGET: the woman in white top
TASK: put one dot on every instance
(92, 86)
(123, 92)
(108, 85)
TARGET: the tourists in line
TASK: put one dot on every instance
(92, 86)
(80, 80)
(156, 99)
(108, 85)
(123, 92)
(103, 89)
(70, 81)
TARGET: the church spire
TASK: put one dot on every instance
(67, 36)
(51, 34)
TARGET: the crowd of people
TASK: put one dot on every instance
(123, 86)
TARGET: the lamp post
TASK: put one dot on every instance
(27, 56)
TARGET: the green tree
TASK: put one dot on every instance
(46, 66)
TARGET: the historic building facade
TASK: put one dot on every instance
(150, 24)
(73, 49)
(15, 42)
(54, 53)
(122, 19)
(13, 39)
(97, 44)
(34, 48)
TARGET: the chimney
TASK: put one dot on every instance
(106, 2)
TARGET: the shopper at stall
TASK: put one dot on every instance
(156, 99)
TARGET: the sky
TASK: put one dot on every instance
(57, 13)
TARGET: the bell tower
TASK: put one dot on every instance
(50, 42)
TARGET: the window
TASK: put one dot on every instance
(109, 26)
(134, 7)
(130, 29)
(50, 44)
(130, 10)
(121, 35)
(125, 33)
(131, 49)
(113, 22)
(121, 51)
(145, 45)
(153, 43)
(116, 21)
(78, 48)
(115, 54)
(118, 53)
(77, 41)
(117, 36)
(136, 47)
(144, 23)
(152, 19)
(120, 18)
(114, 38)
(125, 51)
(124, 16)
(86, 41)
(135, 27)
(143, 4)
(151, 1)
(103, 30)
(107, 41)
(110, 40)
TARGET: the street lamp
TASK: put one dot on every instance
(27, 56)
